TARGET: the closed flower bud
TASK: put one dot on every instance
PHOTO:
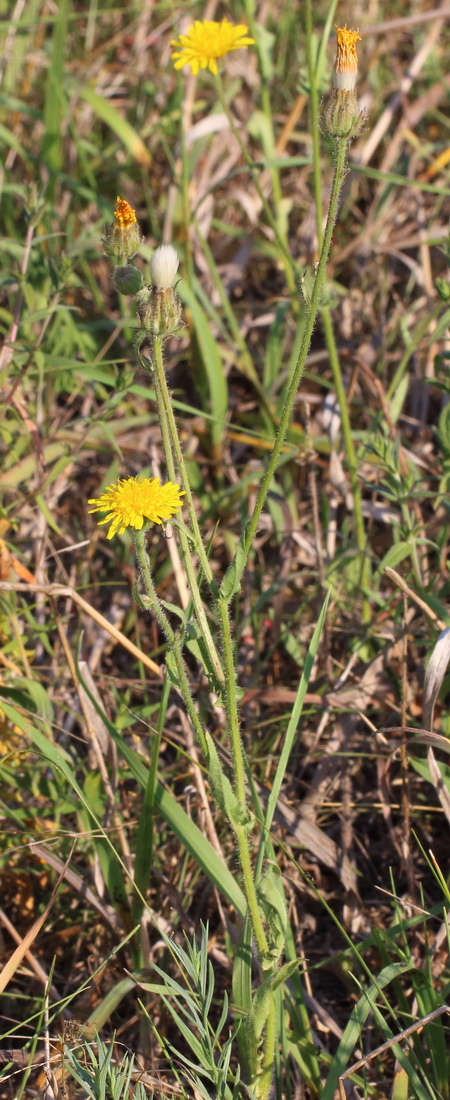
(164, 267)
(127, 280)
(123, 237)
(342, 116)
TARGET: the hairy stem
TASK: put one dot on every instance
(172, 446)
(151, 603)
(328, 325)
(166, 405)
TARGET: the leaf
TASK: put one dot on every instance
(397, 401)
(271, 899)
(295, 715)
(434, 676)
(184, 828)
(55, 102)
(212, 363)
(222, 790)
(262, 1001)
(231, 582)
(242, 992)
(352, 1032)
(395, 555)
(126, 133)
(444, 430)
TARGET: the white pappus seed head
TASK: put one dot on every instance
(163, 267)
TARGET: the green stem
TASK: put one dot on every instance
(351, 461)
(288, 262)
(230, 674)
(151, 603)
(252, 526)
(231, 701)
(239, 777)
(264, 1081)
(328, 324)
(169, 446)
(250, 892)
(166, 404)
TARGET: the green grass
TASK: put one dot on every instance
(102, 785)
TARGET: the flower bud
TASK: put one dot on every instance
(158, 311)
(342, 115)
(163, 267)
(123, 237)
(127, 280)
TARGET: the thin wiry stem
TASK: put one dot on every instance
(151, 603)
(236, 569)
(172, 447)
(328, 326)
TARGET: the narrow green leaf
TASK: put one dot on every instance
(212, 363)
(295, 716)
(352, 1033)
(395, 555)
(120, 126)
(194, 841)
(55, 100)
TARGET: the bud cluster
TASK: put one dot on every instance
(158, 307)
(342, 115)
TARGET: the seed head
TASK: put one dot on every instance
(163, 267)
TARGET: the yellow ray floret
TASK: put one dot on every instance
(205, 42)
(346, 57)
(124, 213)
(131, 501)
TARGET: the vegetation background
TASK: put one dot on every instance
(91, 109)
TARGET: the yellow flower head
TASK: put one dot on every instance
(124, 213)
(131, 501)
(346, 63)
(123, 236)
(204, 42)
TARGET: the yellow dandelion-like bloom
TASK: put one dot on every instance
(346, 63)
(131, 501)
(205, 42)
(124, 213)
